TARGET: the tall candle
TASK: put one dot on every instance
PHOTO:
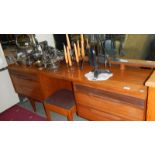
(76, 54)
(82, 40)
(82, 50)
(69, 57)
(78, 48)
(65, 53)
(87, 46)
(68, 41)
(82, 46)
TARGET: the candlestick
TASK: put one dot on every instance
(87, 46)
(76, 54)
(65, 53)
(82, 40)
(69, 56)
(82, 47)
(68, 42)
(82, 50)
(78, 49)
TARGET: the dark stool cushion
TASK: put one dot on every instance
(62, 98)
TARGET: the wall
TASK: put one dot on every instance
(48, 37)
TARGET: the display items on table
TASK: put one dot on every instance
(68, 42)
(82, 47)
(75, 54)
(88, 47)
(65, 54)
(39, 54)
(78, 49)
(69, 56)
(95, 48)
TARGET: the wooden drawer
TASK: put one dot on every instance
(25, 76)
(28, 85)
(112, 104)
(96, 115)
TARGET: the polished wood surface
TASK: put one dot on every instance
(122, 97)
(151, 104)
(135, 63)
(151, 81)
(115, 105)
(151, 97)
(31, 83)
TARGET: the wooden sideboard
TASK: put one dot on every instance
(122, 97)
(151, 97)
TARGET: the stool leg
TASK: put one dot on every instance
(47, 112)
(70, 117)
(48, 115)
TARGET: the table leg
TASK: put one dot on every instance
(33, 104)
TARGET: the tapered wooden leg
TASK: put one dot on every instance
(47, 112)
(33, 104)
(70, 117)
(48, 115)
(151, 105)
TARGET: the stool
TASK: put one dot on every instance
(61, 102)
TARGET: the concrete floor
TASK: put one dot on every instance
(40, 111)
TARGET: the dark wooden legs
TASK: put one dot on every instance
(66, 112)
(151, 104)
(70, 117)
(48, 109)
(71, 113)
(33, 104)
(47, 113)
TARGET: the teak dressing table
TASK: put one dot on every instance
(123, 97)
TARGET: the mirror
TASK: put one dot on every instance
(125, 46)
(139, 46)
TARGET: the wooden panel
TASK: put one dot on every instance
(151, 81)
(119, 109)
(130, 75)
(151, 98)
(151, 104)
(26, 76)
(125, 108)
(27, 84)
(50, 85)
(136, 63)
(110, 95)
(28, 88)
(35, 84)
(110, 100)
(96, 115)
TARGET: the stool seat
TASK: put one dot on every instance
(63, 98)
(62, 102)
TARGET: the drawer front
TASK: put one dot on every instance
(109, 105)
(109, 95)
(25, 76)
(27, 86)
(96, 115)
